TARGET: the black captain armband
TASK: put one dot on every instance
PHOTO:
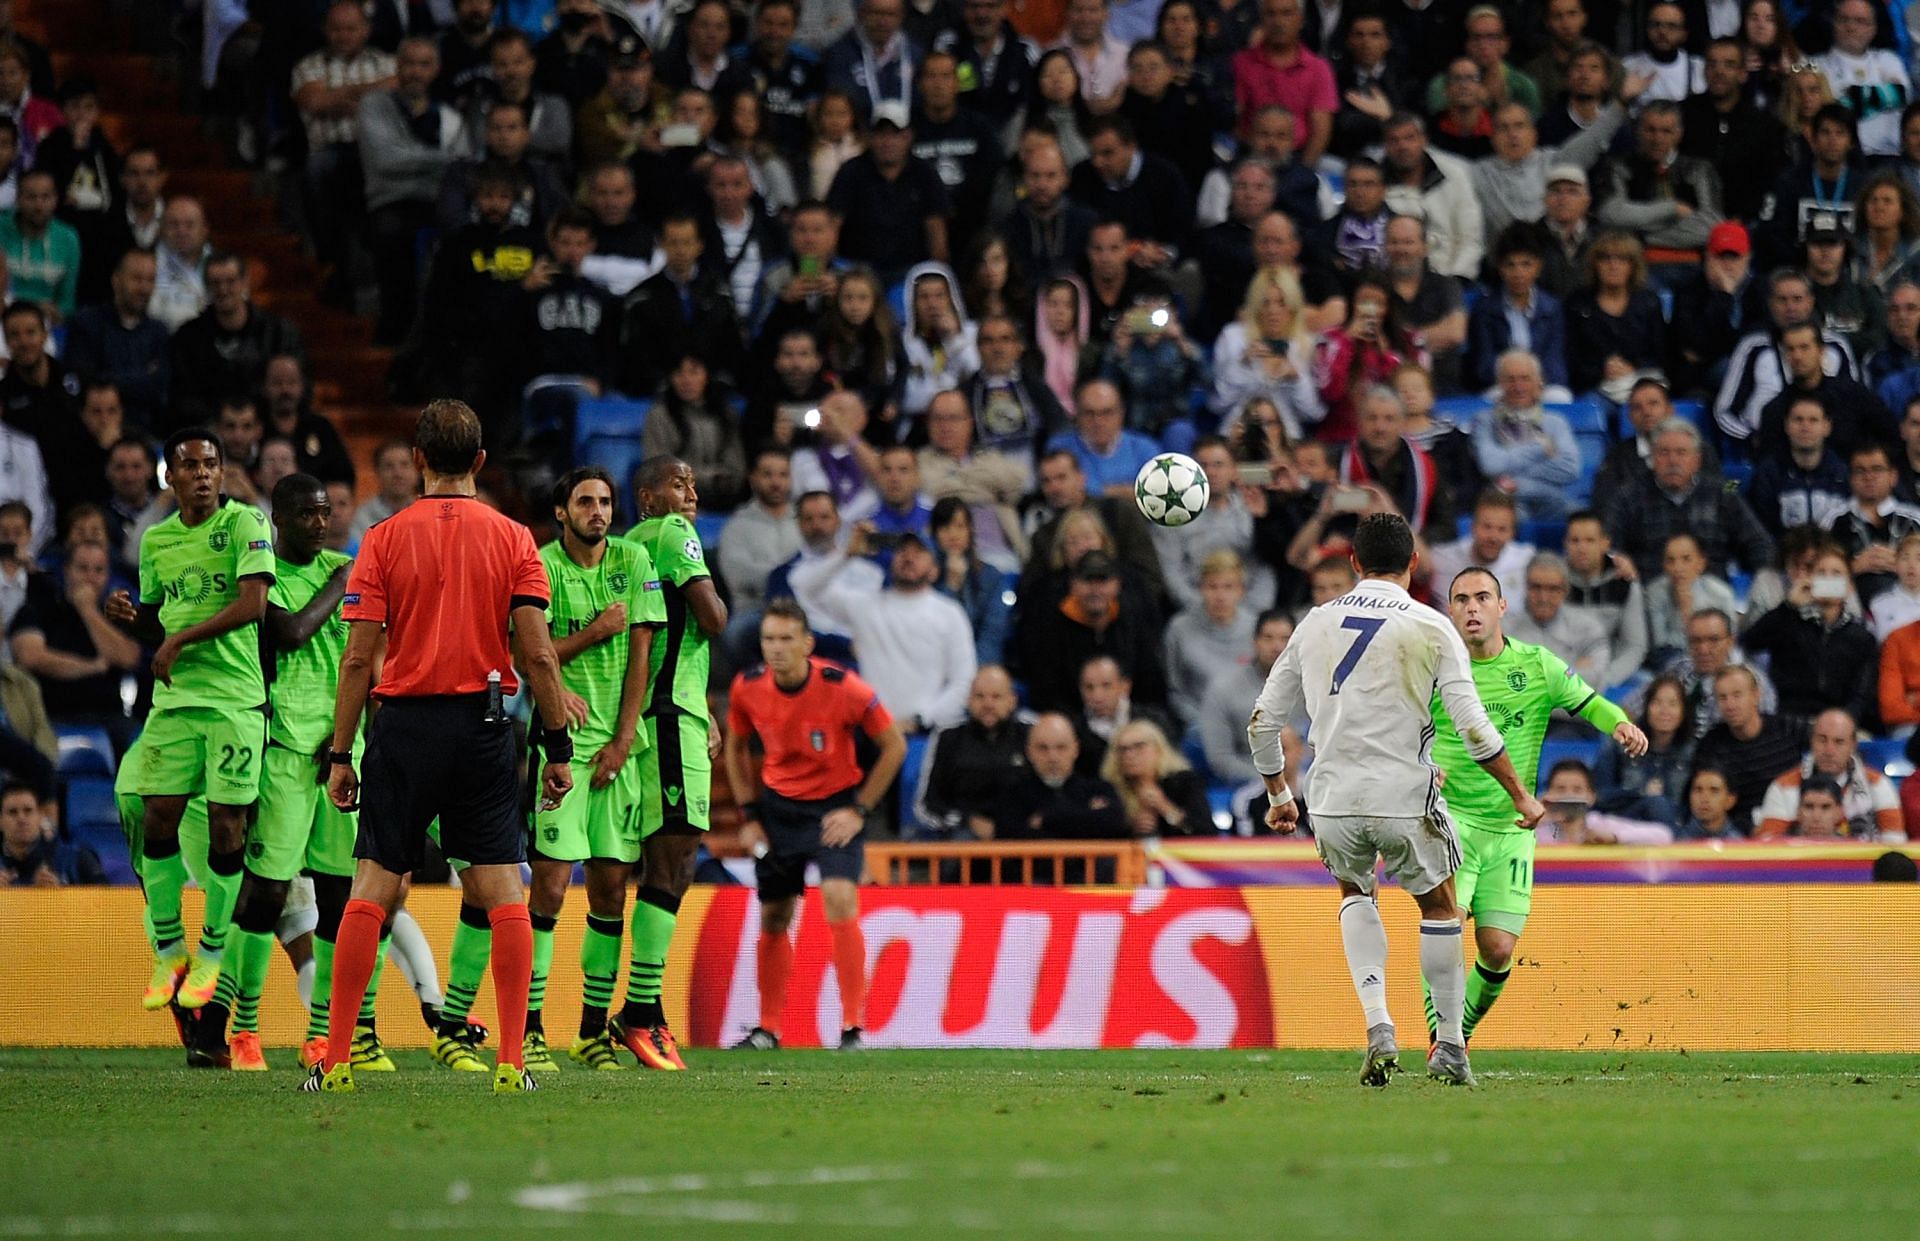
(557, 745)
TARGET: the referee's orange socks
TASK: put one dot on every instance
(356, 948)
(776, 966)
(850, 964)
(512, 975)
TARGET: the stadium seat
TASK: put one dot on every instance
(620, 456)
(90, 801)
(1888, 755)
(708, 527)
(1559, 749)
(109, 844)
(85, 751)
(1548, 536)
(1587, 416)
(607, 416)
(910, 781)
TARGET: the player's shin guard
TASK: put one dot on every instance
(776, 966)
(655, 910)
(1365, 940)
(1446, 976)
(163, 873)
(543, 925)
(466, 966)
(1484, 986)
(223, 893)
(850, 966)
(599, 968)
(356, 950)
(512, 973)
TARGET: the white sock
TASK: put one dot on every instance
(1366, 944)
(1446, 973)
(304, 979)
(410, 951)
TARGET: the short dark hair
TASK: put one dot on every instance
(492, 174)
(654, 471)
(1870, 448)
(1364, 163)
(1383, 543)
(1113, 123)
(17, 508)
(771, 450)
(448, 435)
(1272, 614)
(1499, 592)
(805, 496)
(1585, 514)
(1574, 765)
(786, 609)
(18, 786)
(1894, 866)
(188, 435)
(1835, 114)
(1520, 237)
(1493, 497)
(290, 490)
(570, 216)
(506, 35)
(20, 307)
(568, 483)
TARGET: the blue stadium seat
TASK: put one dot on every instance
(708, 526)
(1559, 749)
(110, 845)
(85, 751)
(1695, 412)
(1587, 416)
(607, 416)
(917, 747)
(1548, 536)
(1888, 755)
(90, 801)
(1593, 450)
(1220, 801)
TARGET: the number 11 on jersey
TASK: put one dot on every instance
(1366, 627)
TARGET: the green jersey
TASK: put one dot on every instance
(624, 575)
(191, 573)
(1520, 687)
(679, 658)
(306, 676)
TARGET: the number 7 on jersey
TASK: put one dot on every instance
(1365, 627)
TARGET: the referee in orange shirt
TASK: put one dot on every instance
(437, 585)
(806, 712)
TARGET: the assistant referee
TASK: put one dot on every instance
(437, 585)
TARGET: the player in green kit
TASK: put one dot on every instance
(605, 608)
(204, 576)
(681, 744)
(1521, 685)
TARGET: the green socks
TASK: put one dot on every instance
(599, 968)
(252, 954)
(322, 988)
(373, 983)
(223, 893)
(467, 965)
(1484, 986)
(163, 873)
(654, 915)
(543, 925)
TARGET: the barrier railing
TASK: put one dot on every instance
(993, 863)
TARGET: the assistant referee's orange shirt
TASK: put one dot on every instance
(443, 574)
(807, 732)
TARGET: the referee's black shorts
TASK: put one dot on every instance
(793, 840)
(439, 757)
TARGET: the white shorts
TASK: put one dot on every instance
(1421, 854)
(300, 914)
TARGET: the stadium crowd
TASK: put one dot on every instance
(1619, 301)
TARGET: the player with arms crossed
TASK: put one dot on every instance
(806, 713)
(676, 772)
(606, 606)
(204, 576)
(1365, 666)
(1519, 686)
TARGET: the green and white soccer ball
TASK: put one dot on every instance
(1171, 489)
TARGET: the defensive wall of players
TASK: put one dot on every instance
(1609, 963)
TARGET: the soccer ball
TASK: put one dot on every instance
(1171, 489)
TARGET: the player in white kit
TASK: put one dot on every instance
(1366, 667)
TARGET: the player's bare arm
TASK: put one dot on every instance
(837, 827)
(292, 629)
(633, 697)
(248, 606)
(709, 611)
(542, 668)
(366, 641)
(1526, 806)
(611, 623)
(743, 777)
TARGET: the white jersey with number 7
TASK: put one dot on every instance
(1366, 666)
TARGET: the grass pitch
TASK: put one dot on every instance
(1028, 1144)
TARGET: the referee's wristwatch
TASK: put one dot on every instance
(865, 812)
(340, 758)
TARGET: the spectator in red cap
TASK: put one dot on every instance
(1723, 301)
